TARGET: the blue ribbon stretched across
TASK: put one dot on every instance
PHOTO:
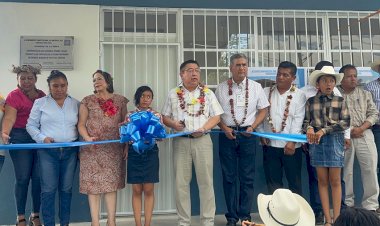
(143, 130)
(274, 136)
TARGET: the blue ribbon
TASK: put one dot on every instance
(143, 130)
(152, 132)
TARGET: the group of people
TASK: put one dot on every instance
(336, 115)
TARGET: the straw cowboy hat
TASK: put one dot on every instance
(375, 66)
(325, 70)
(285, 208)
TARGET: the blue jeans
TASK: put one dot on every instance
(57, 169)
(25, 164)
(237, 158)
(376, 134)
(2, 158)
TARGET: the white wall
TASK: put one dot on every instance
(80, 21)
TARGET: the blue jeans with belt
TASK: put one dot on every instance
(57, 169)
(237, 158)
(25, 164)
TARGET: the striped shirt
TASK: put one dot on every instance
(257, 100)
(328, 113)
(374, 88)
(173, 109)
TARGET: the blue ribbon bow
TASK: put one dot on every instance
(143, 130)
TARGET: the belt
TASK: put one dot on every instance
(191, 136)
(239, 128)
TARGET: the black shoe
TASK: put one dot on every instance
(231, 223)
(319, 218)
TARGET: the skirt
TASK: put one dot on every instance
(143, 168)
(329, 152)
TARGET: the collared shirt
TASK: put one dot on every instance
(19, 101)
(361, 106)
(295, 116)
(374, 88)
(329, 113)
(48, 119)
(256, 100)
(311, 91)
(173, 109)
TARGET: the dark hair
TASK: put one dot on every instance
(354, 216)
(107, 78)
(139, 93)
(323, 63)
(345, 67)
(54, 74)
(237, 56)
(319, 78)
(188, 62)
(290, 65)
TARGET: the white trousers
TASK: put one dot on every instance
(200, 152)
(364, 149)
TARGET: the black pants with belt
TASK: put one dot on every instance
(276, 163)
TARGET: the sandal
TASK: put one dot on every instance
(20, 221)
(32, 219)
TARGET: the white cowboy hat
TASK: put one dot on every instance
(375, 66)
(325, 70)
(285, 208)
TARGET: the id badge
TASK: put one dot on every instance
(240, 100)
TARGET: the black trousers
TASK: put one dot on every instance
(276, 163)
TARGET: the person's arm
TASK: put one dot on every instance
(33, 125)
(82, 129)
(169, 122)
(9, 119)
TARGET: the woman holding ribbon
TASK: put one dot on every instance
(18, 105)
(143, 167)
(102, 168)
(54, 118)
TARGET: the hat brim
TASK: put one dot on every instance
(375, 66)
(307, 217)
(317, 73)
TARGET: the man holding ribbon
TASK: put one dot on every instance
(285, 115)
(245, 107)
(192, 108)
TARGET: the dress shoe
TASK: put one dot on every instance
(319, 218)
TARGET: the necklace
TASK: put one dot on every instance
(201, 100)
(286, 111)
(232, 102)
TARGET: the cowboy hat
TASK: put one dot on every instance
(375, 66)
(325, 70)
(285, 208)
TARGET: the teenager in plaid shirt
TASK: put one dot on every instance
(326, 118)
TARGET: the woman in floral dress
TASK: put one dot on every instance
(102, 167)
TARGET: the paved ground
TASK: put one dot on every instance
(168, 220)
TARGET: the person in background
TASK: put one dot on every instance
(363, 114)
(326, 118)
(18, 104)
(245, 107)
(315, 201)
(193, 107)
(54, 118)
(354, 216)
(374, 88)
(285, 115)
(2, 109)
(143, 168)
(102, 167)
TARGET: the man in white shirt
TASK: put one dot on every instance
(285, 115)
(245, 107)
(192, 107)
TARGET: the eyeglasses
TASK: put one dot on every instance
(241, 65)
(192, 70)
